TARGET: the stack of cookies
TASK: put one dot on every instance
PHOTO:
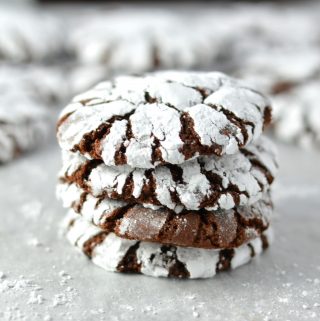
(167, 174)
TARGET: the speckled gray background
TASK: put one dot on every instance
(43, 278)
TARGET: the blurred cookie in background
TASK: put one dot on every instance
(24, 124)
(29, 100)
(134, 41)
(264, 27)
(298, 115)
(82, 77)
(45, 84)
(292, 79)
(279, 70)
(29, 34)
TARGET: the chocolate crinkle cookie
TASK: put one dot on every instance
(166, 117)
(28, 97)
(23, 125)
(208, 182)
(202, 229)
(29, 35)
(143, 40)
(118, 254)
(298, 115)
(292, 79)
(167, 174)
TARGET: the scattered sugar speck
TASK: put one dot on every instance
(34, 242)
(195, 314)
(31, 209)
(283, 300)
(35, 298)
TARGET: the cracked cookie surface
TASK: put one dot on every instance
(163, 118)
(201, 229)
(209, 182)
(129, 256)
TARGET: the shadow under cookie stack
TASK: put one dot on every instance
(167, 174)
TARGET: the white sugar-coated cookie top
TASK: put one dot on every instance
(165, 117)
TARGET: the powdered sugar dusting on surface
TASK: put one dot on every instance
(276, 280)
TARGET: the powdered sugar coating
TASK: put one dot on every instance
(92, 209)
(153, 259)
(166, 117)
(132, 221)
(206, 182)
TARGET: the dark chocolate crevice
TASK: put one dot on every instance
(252, 251)
(255, 162)
(80, 176)
(265, 242)
(191, 141)
(120, 157)
(267, 116)
(62, 120)
(156, 154)
(238, 122)
(129, 263)
(78, 206)
(177, 269)
(94, 241)
(91, 142)
(225, 259)
(149, 99)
